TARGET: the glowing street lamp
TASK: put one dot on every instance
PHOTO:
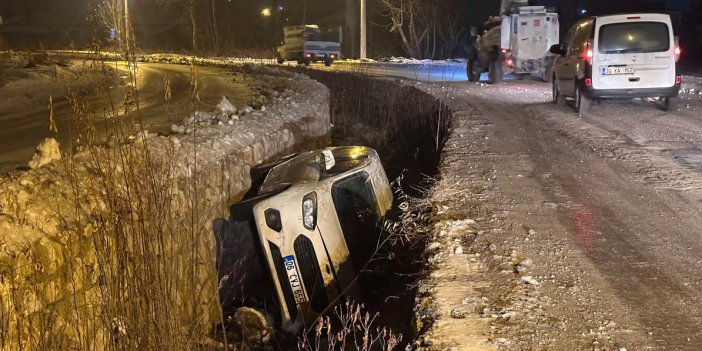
(266, 12)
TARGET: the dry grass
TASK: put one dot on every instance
(352, 328)
(132, 264)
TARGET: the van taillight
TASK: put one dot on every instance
(678, 79)
(588, 82)
(588, 51)
(677, 50)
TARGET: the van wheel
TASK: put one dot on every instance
(495, 72)
(558, 98)
(582, 103)
(280, 60)
(669, 103)
(328, 62)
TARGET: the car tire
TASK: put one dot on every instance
(472, 70)
(557, 97)
(669, 103)
(328, 62)
(582, 103)
(495, 72)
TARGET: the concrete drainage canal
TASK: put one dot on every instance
(407, 127)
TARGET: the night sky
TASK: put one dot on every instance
(58, 22)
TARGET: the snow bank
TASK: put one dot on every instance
(53, 274)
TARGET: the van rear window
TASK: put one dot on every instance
(633, 37)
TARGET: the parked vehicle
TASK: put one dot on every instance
(305, 228)
(310, 43)
(516, 42)
(617, 56)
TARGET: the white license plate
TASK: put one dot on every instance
(617, 70)
(294, 279)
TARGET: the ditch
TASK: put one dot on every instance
(408, 128)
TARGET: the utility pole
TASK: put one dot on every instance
(363, 29)
(127, 34)
(304, 12)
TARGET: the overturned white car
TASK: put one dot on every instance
(296, 241)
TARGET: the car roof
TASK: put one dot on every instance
(623, 17)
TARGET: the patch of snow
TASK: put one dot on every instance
(47, 151)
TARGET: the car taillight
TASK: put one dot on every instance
(308, 55)
(309, 211)
(588, 82)
(678, 79)
(509, 62)
(332, 56)
(588, 51)
(677, 50)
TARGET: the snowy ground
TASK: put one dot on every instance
(564, 232)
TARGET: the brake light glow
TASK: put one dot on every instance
(678, 79)
(588, 51)
(677, 50)
(308, 54)
(588, 82)
(509, 62)
(504, 51)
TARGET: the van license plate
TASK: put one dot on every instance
(294, 279)
(617, 70)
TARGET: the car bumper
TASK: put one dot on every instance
(631, 93)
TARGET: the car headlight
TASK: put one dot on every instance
(309, 211)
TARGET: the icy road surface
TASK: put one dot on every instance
(24, 100)
(603, 209)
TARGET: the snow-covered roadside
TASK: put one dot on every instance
(49, 278)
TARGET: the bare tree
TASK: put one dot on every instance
(427, 28)
(407, 20)
(107, 14)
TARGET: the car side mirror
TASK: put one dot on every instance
(557, 49)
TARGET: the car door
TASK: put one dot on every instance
(574, 61)
(561, 64)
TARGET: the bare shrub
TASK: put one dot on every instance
(352, 328)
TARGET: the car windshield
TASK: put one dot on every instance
(357, 210)
(633, 37)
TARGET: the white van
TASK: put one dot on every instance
(617, 56)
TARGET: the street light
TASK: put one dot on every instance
(266, 12)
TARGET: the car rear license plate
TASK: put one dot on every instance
(294, 279)
(617, 70)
